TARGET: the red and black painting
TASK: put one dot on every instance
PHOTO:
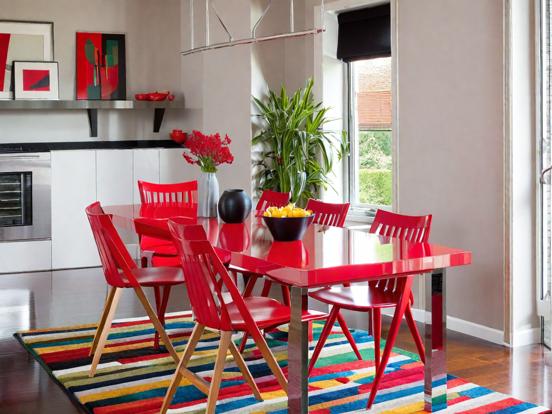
(101, 68)
(36, 80)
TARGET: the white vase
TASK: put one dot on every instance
(208, 195)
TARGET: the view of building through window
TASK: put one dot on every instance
(372, 117)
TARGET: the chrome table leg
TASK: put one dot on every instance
(435, 371)
(298, 354)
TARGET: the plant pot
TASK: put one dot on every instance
(208, 195)
(234, 206)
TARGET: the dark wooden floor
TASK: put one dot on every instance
(48, 299)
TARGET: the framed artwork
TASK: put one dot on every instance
(20, 40)
(101, 66)
(36, 80)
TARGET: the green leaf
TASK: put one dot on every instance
(297, 153)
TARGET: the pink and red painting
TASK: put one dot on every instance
(101, 67)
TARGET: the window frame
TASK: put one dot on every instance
(363, 211)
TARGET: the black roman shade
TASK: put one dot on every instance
(364, 33)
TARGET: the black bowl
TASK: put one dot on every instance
(287, 228)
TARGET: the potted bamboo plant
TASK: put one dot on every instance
(295, 151)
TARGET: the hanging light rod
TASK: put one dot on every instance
(209, 4)
(251, 41)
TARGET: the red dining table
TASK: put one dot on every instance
(325, 256)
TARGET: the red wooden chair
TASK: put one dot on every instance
(326, 214)
(271, 198)
(152, 193)
(377, 294)
(121, 273)
(222, 312)
(155, 251)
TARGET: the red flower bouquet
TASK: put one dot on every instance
(208, 151)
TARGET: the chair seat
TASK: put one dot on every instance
(267, 313)
(157, 276)
(358, 297)
(159, 246)
(173, 260)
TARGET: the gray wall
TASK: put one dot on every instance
(152, 49)
(451, 140)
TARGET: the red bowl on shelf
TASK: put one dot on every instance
(178, 136)
(158, 96)
(142, 96)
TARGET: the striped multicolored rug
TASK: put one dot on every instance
(133, 377)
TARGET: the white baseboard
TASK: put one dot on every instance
(495, 336)
(525, 337)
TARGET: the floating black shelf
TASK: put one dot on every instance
(92, 107)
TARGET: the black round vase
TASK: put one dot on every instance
(234, 206)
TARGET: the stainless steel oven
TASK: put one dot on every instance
(25, 199)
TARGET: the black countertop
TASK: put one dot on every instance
(84, 145)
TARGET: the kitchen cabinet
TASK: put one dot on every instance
(25, 256)
(114, 176)
(80, 177)
(173, 167)
(73, 188)
(146, 168)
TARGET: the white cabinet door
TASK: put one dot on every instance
(146, 168)
(73, 188)
(114, 176)
(173, 167)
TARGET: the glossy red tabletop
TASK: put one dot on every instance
(325, 256)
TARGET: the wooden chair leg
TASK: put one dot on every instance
(177, 377)
(347, 333)
(225, 339)
(249, 284)
(323, 337)
(392, 336)
(415, 333)
(161, 302)
(286, 296)
(104, 332)
(370, 323)
(113, 295)
(266, 288)
(157, 295)
(376, 314)
(199, 382)
(271, 361)
(245, 371)
(243, 342)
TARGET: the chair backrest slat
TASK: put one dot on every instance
(152, 193)
(206, 277)
(328, 214)
(414, 229)
(114, 256)
(271, 198)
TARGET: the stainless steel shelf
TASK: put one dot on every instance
(92, 107)
(74, 104)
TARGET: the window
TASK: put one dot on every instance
(364, 44)
(370, 134)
